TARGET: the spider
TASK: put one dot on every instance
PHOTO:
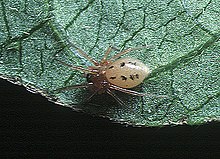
(111, 74)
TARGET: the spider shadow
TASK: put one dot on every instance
(103, 104)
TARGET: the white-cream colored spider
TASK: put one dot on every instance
(112, 74)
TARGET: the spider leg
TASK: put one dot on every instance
(115, 97)
(123, 52)
(83, 85)
(79, 68)
(90, 96)
(84, 54)
(128, 91)
(110, 48)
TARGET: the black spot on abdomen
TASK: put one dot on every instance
(131, 77)
(122, 64)
(112, 78)
(133, 63)
(123, 78)
(134, 76)
(111, 67)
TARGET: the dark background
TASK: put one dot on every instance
(31, 127)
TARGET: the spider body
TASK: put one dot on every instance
(113, 74)
(125, 73)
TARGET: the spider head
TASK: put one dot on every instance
(98, 82)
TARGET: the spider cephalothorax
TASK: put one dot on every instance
(97, 81)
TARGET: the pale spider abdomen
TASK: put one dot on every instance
(127, 72)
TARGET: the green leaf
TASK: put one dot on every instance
(184, 58)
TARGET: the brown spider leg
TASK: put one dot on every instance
(96, 63)
(124, 90)
(83, 85)
(91, 95)
(110, 48)
(123, 52)
(79, 68)
(115, 97)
